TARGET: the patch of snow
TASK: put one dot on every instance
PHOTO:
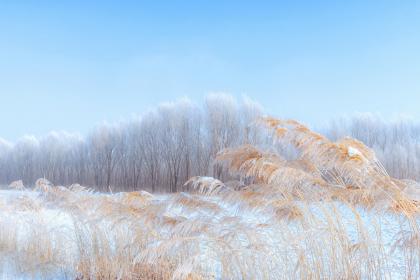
(353, 152)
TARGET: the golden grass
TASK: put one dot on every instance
(332, 213)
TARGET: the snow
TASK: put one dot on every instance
(30, 213)
(353, 152)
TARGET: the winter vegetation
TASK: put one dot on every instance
(395, 142)
(158, 151)
(218, 191)
(164, 147)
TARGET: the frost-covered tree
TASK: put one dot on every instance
(158, 151)
(164, 147)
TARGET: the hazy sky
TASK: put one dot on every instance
(71, 66)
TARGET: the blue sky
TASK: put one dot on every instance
(72, 65)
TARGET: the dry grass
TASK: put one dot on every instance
(332, 213)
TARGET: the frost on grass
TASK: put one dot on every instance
(17, 185)
(333, 212)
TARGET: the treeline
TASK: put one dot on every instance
(158, 151)
(163, 148)
(396, 143)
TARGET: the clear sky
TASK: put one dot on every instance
(72, 65)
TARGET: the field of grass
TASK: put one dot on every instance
(333, 212)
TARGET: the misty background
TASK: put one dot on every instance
(145, 94)
(72, 65)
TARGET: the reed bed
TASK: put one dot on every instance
(331, 213)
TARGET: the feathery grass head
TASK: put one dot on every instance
(17, 185)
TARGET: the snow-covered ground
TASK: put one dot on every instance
(65, 233)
